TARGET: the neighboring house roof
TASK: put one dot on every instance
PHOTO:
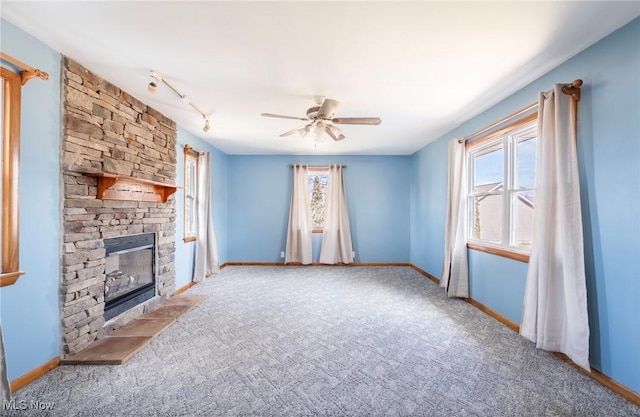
(496, 187)
(487, 188)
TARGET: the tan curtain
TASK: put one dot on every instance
(299, 249)
(336, 235)
(5, 387)
(455, 269)
(555, 302)
(206, 256)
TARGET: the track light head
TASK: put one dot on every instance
(207, 126)
(154, 81)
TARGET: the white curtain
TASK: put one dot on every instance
(555, 303)
(299, 249)
(455, 269)
(5, 387)
(336, 235)
(206, 257)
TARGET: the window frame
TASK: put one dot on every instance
(317, 170)
(508, 136)
(191, 156)
(11, 96)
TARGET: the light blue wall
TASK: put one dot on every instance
(185, 251)
(609, 158)
(498, 290)
(377, 195)
(29, 309)
(428, 213)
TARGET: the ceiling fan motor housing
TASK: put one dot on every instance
(312, 113)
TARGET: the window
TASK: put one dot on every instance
(190, 192)
(10, 88)
(318, 185)
(501, 170)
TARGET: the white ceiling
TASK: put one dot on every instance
(422, 67)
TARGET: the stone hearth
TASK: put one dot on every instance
(106, 130)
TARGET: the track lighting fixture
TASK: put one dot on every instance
(154, 80)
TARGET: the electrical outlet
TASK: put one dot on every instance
(282, 254)
(353, 254)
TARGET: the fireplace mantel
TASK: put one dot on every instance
(122, 187)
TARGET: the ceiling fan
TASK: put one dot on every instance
(320, 118)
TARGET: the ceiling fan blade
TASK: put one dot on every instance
(328, 107)
(279, 116)
(332, 135)
(357, 120)
(290, 132)
(334, 129)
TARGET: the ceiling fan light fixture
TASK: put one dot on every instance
(304, 131)
(321, 118)
(319, 133)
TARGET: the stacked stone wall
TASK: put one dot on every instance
(105, 129)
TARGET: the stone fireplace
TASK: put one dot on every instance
(113, 144)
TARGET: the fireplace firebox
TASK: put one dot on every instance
(130, 272)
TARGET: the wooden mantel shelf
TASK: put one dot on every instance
(122, 187)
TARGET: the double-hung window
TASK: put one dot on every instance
(190, 192)
(318, 185)
(501, 196)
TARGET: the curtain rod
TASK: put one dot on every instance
(28, 72)
(572, 89)
(315, 166)
(191, 149)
